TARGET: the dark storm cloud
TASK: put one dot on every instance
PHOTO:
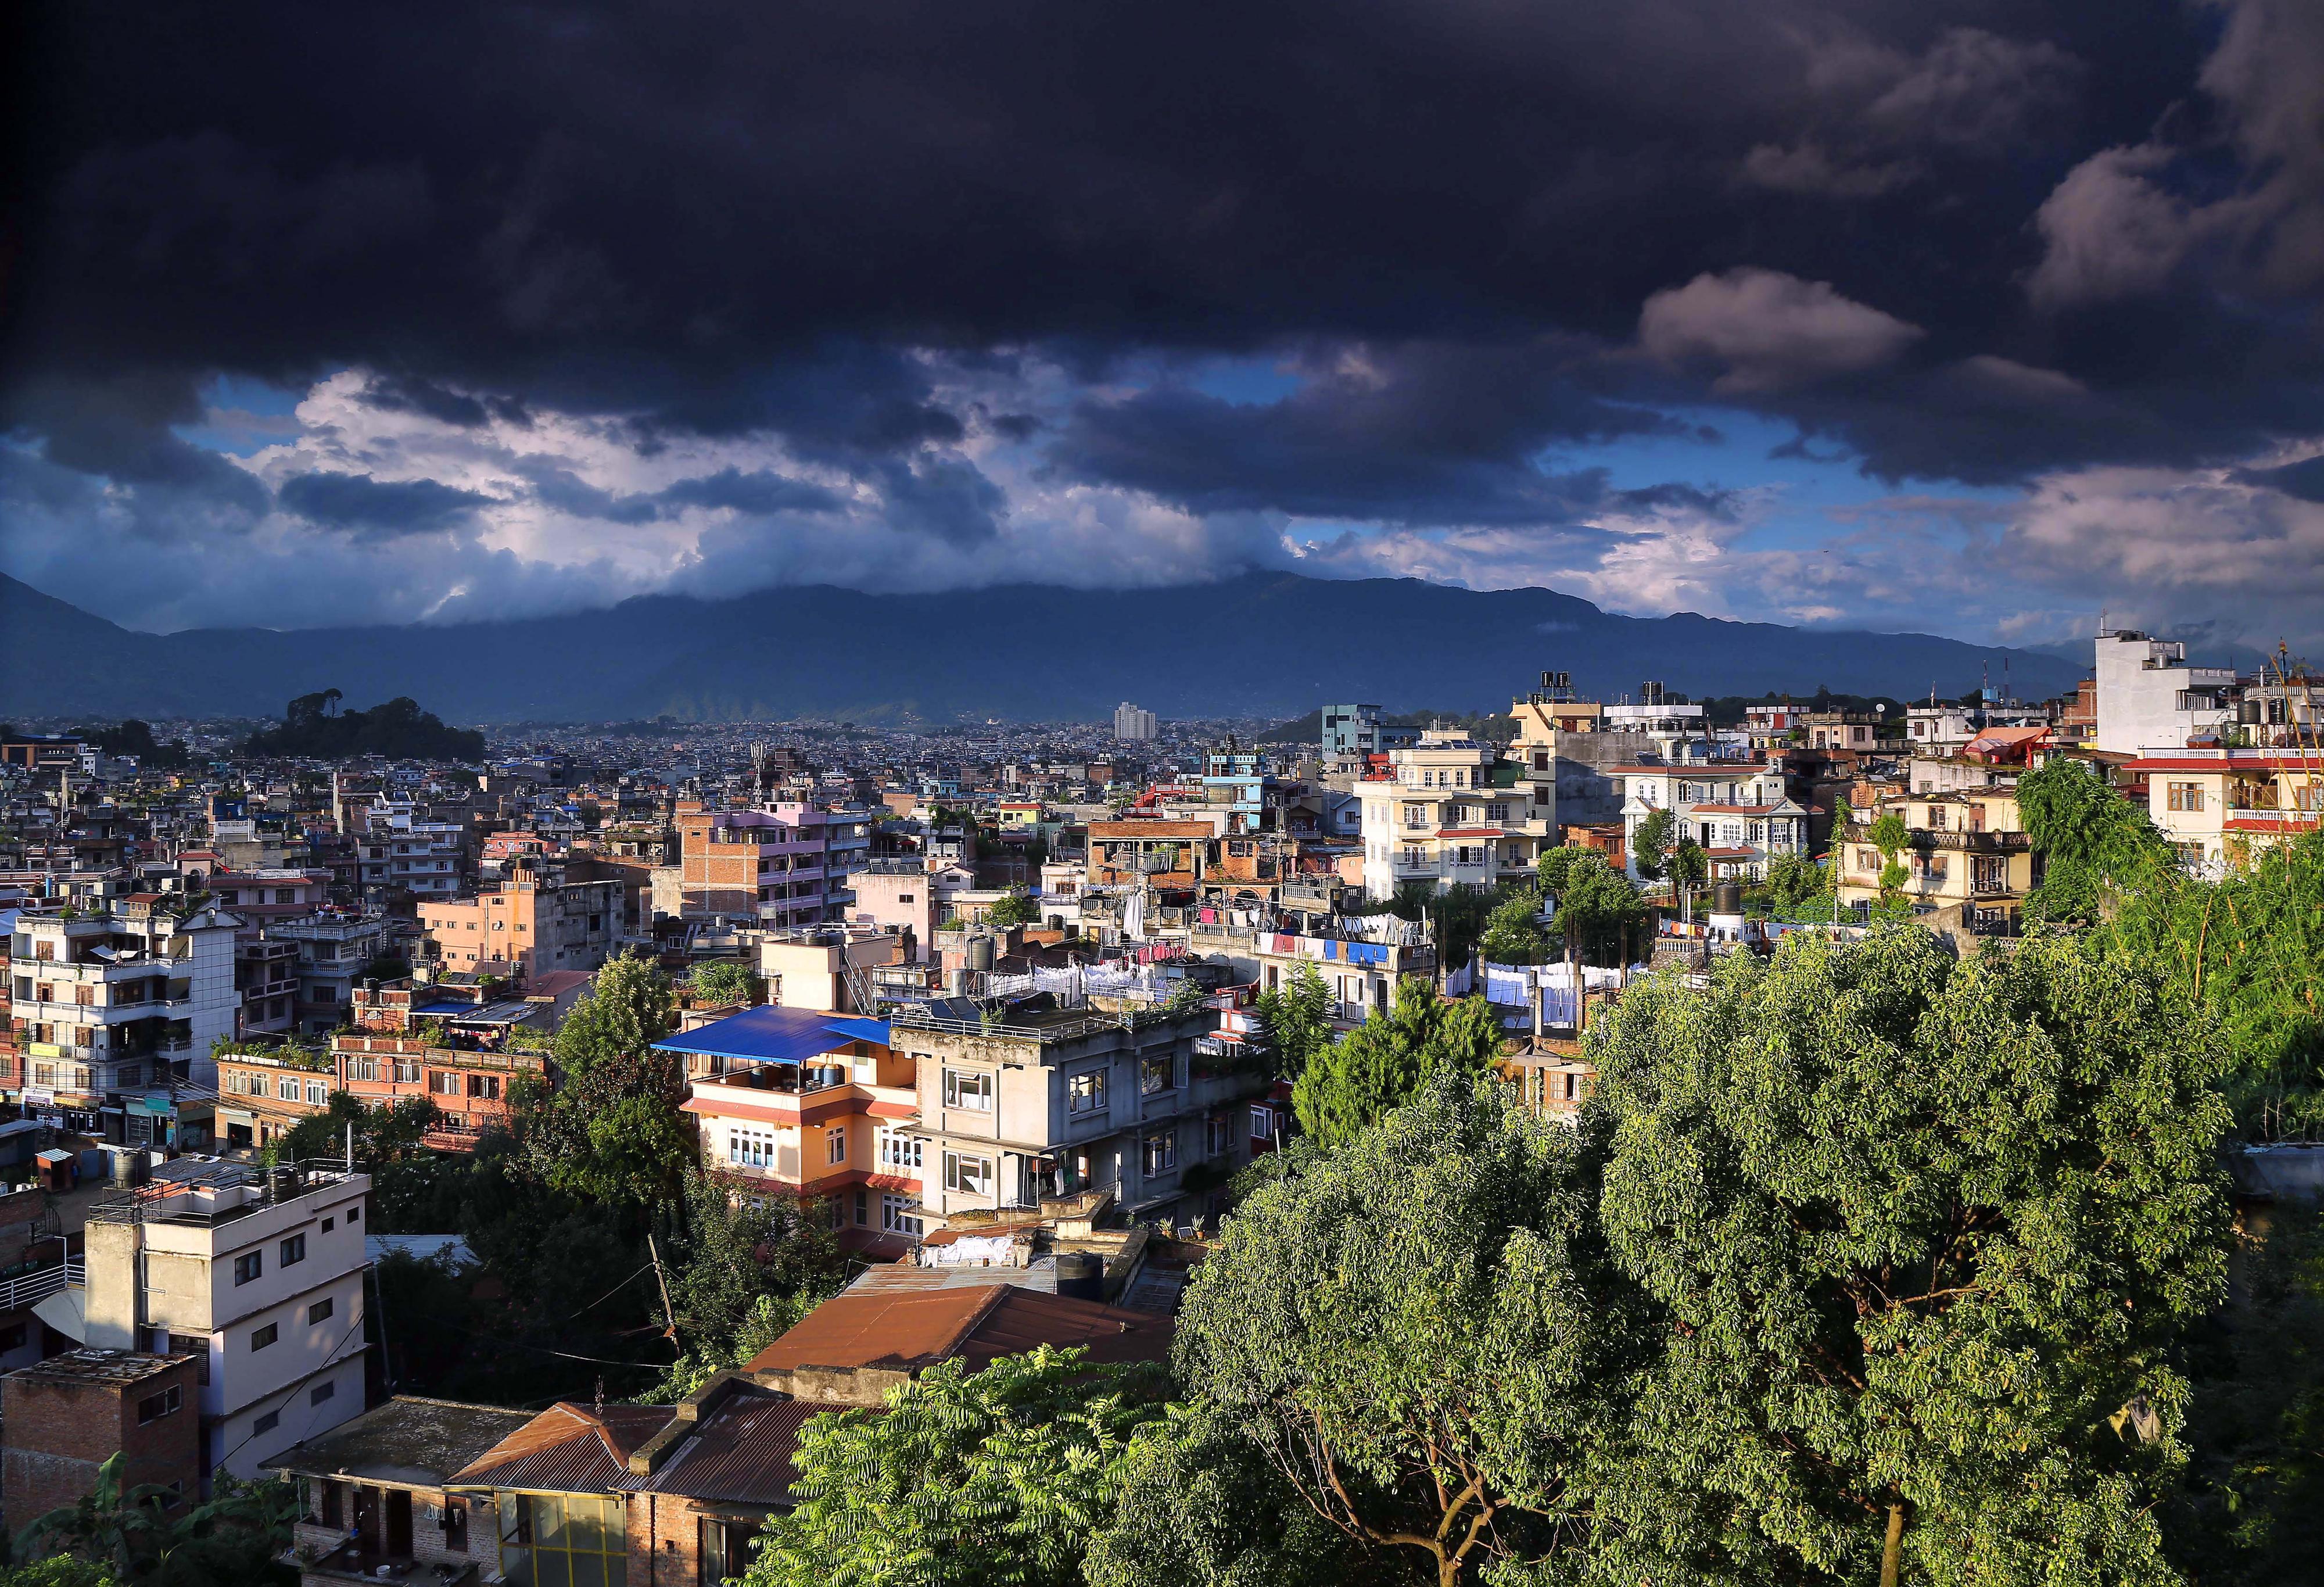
(718, 218)
(377, 509)
(757, 491)
(2304, 479)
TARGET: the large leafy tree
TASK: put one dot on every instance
(736, 1251)
(723, 981)
(140, 1533)
(1384, 1062)
(2093, 843)
(1922, 1228)
(1014, 908)
(1422, 1334)
(1650, 844)
(1513, 933)
(631, 1006)
(1297, 1019)
(962, 1478)
(1598, 909)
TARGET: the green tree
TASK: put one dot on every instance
(1689, 868)
(735, 1252)
(965, 1477)
(1796, 889)
(1297, 1019)
(1889, 835)
(130, 1533)
(629, 1007)
(1650, 844)
(1383, 1063)
(1014, 908)
(723, 981)
(59, 1570)
(1596, 911)
(1423, 1336)
(2092, 842)
(1921, 1227)
(1513, 933)
(383, 1136)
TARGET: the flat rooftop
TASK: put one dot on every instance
(99, 1366)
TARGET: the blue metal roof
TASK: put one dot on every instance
(775, 1035)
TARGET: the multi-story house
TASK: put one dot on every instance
(112, 1010)
(771, 865)
(334, 948)
(2215, 807)
(535, 922)
(270, 893)
(464, 1056)
(266, 973)
(1968, 851)
(2149, 698)
(1737, 811)
(1016, 1106)
(257, 1274)
(803, 1103)
(1439, 814)
(1168, 855)
(261, 1095)
(404, 852)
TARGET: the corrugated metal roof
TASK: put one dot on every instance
(742, 1453)
(566, 1449)
(895, 1277)
(772, 1034)
(915, 1328)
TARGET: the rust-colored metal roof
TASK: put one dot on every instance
(920, 1327)
(742, 1451)
(566, 1449)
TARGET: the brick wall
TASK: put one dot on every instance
(54, 1433)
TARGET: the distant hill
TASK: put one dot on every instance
(1268, 645)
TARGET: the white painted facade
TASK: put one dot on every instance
(2150, 698)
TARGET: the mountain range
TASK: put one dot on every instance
(1263, 645)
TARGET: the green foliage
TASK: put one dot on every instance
(1198, 1504)
(1383, 1063)
(723, 981)
(1014, 908)
(735, 1256)
(1796, 889)
(2092, 842)
(1922, 1228)
(1598, 911)
(398, 729)
(630, 1006)
(1513, 933)
(60, 1570)
(135, 738)
(1423, 1335)
(964, 1478)
(133, 1535)
(769, 1318)
(1458, 914)
(1650, 845)
(2251, 1513)
(1296, 1018)
(383, 1136)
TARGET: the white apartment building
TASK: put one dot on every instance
(110, 1010)
(333, 950)
(1133, 725)
(403, 850)
(1737, 811)
(259, 1273)
(1438, 817)
(2215, 806)
(2150, 698)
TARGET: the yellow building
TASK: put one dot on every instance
(2216, 806)
(1967, 850)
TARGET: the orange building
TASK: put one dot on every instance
(793, 1101)
(536, 922)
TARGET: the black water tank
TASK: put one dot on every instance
(1727, 898)
(1081, 1275)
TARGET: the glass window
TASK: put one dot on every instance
(1161, 1152)
(260, 1338)
(968, 1175)
(962, 1089)
(899, 1215)
(1155, 1075)
(835, 1144)
(320, 1310)
(294, 1250)
(1086, 1094)
(248, 1266)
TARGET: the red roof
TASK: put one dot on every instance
(915, 1328)
(1470, 832)
(2314, 761)
(1734, 810)
(2252, 823)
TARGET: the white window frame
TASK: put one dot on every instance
(968, 1090)
(965, 1174)
(1085, 1093)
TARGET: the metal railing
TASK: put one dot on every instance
(29, 1288)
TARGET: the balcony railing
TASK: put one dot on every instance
(29, 1289)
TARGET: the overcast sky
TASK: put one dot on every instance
(1975, 319)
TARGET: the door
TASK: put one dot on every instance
(366, 1525)
(399, 1523)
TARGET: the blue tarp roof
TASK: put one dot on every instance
(774, 1034)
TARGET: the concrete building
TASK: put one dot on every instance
(536, 922)
(806, 1104)
(258, 1274)
(405, 852)
(261, 1095)
(1440, 816)
(1737, 811)
(1357, 730)
(334, 949)
(910, 898)
(63, 1419)
(1024, 1106)
(2150, 698)
(1132, 725)
(1968, 853)
(2217, 806)
(110, 1011)
(769, 866)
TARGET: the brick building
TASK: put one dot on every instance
(63, 1419)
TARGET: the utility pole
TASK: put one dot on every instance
(662, 1283)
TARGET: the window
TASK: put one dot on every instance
(12, 1337)
(903, 897)
(354, 1214)
(294, 1250)
(835, 1144)
(724, 1551)
(154, 1407)
(1937, 818)
(455, 1526)
(898, 1150)
(1218, 1137)
(1086, 1094)
(1161, 1152)
(2186, 796)
(287, 1089)
(1157, 1074)
(317, 1094)
(899, 1215)
(260, 1338)
(487, 1086)
(266, 1424)
(973, 1091)
(320, 1310)
(329, 1224)
(1262, 1123)
(248, 1266)
(322, 1391)
(968, 1175)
